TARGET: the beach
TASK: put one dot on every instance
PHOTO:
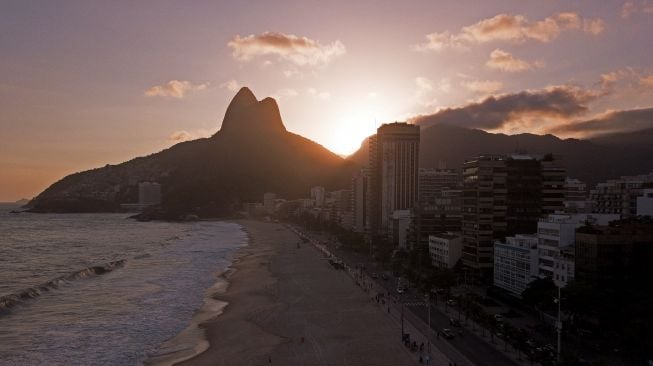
(288, 306)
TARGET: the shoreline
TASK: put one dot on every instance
(288, 306)
(192, 340)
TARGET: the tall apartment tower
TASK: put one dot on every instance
(505, 195)
(394, 173)
(359, 189)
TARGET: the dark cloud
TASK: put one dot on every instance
(610, 122)
(559, 103)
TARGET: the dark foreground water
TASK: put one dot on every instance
(99, 289)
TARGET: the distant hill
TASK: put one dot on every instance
(253, 153)
(592, 161)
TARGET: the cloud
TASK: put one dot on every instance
(552, 104)
(511, 28)
(609, 122)
(631, 7)
(647, 81)
(423, 83)
(504, 61)
(301, 51)
(174, 89)
(483, 87)
(324, 95)
(594, 26)
(231, 85)
(285, 93)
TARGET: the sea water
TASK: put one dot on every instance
(102, 289)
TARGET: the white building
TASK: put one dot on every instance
(620, 195)
(645, 203)
(317, 194)
(445, 249)
(515, 263)
(576, 196)
(268, 202)
(149, 193)
(398, 229)
(556, 234)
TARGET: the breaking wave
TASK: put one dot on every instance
(11, 300)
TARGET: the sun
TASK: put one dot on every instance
(353, 122)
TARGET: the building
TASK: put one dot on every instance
(609, 253)
(399, 225)
(515, 263)
(445, 249)
(149, 193)
(619, 196)
(268, 202)
(444, 214)
(393, 168)
(317, 194)
(576, 196)
(360, 187)
(504, 195)
(556, 237)
(645, 203)
(433, 181)
(339, 207)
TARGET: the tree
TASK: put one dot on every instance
(540, 294)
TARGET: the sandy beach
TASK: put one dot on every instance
(288, 306)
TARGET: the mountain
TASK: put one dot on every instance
(589, 160)
(251, 154)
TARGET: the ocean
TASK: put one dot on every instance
(102, 289)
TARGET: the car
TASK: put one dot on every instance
(384, 277)
(454, 322)
(447, 333)
(400, 290)
(374, 275)
(498, 317)
(451, 302)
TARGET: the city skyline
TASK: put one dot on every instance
(96, 84)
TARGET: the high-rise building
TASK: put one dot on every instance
(444, 214)
(576, 196)
(149, 193)
(433, 181)
(360, 187)
(556, 237)
(619, 196)
(394, 167)
(504, 195)
(605, 253)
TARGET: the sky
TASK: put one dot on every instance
(89, 83)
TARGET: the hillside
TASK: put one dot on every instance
(589, 160)
(252, 154)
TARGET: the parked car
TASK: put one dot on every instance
(384, 276)
(454, 322)
(451, 302)
(400, 290)
(447, 333)
(498, 317)
(374, 275)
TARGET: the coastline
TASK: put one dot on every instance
(192, 340)
(287, 306)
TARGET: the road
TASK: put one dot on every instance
(474, 348)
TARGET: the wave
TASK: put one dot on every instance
(9, 301)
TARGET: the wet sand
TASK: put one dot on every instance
(288, 306)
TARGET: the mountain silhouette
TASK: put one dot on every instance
(592, 161)
(251, 154)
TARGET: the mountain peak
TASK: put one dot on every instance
(248, 115)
